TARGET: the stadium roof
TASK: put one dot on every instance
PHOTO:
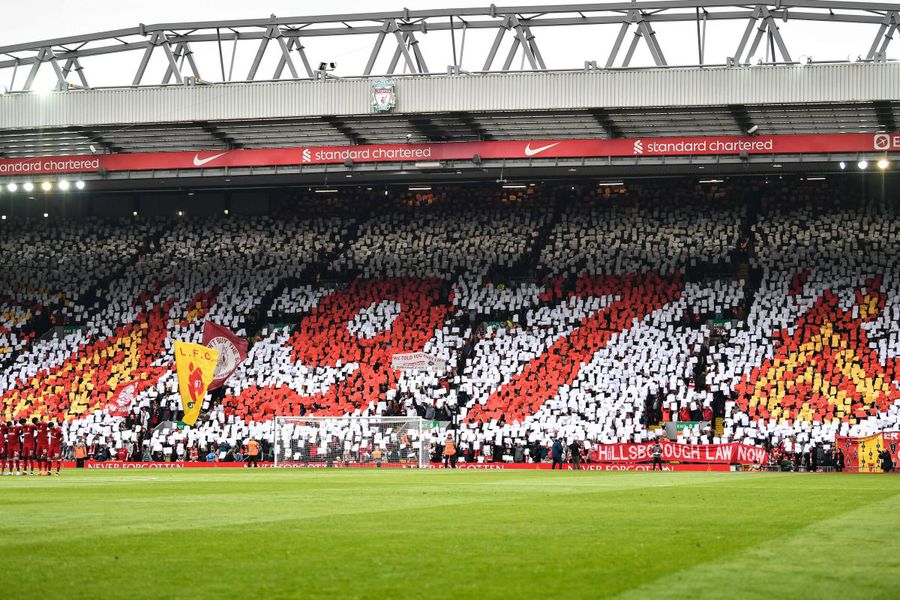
(835, 98)
(761, 89)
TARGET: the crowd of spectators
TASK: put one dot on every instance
(591, 316)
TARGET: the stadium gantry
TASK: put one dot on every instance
(760, 89)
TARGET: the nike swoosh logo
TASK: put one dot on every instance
(529, 151)
(199, 162)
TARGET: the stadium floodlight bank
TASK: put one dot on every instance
(402, 442)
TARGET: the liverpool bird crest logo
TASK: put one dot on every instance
(384, 98)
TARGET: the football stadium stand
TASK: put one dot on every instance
(758, 313)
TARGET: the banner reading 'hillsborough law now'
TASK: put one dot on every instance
(689, 453)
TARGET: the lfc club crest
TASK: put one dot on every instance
(384, 98)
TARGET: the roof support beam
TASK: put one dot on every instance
(417, 52)
(469, 122)
(532, 43)
(285, 59)
(346, 130)
(142, 67)
(764, 22)
(878, 50)
(427, 128)
(292, 44)
(261, 50)
(273, 32)
(643, 30)
(741, 117)
(170, 56)
(73, 63)
(379, 42)
(402, 49)
(501, 30)
(523, 39)
(650, 37)
(219, 135)
(98, 140)
(617, 45)
(46, 56)
(885, 114)
(177, 53)
(605, 121)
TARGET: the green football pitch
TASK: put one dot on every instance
(207, 533)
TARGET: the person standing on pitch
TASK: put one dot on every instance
(449, 452)
(253, 453)
(656, 451)
(13, 447)
(887, 461)
(3, 448)
(54, 446)
(28, 433)
(838, 459)
(556, 453)
(575, 454)
(81, 452)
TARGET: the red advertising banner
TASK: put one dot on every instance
(113, 465)
(524, 149)
(688, 453)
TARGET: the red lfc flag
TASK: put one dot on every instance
(122, 399)
(232, 351)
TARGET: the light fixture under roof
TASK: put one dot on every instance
(514, 186)
(610, 183)
(712, 181)
(883, 163)
(28, 186)
(325, 190)
(863, 165)
(420, 188)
